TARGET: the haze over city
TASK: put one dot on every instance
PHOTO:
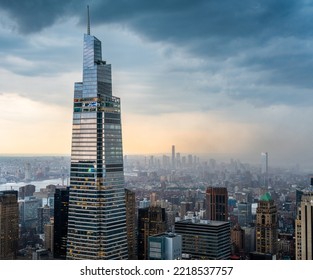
(209, 77)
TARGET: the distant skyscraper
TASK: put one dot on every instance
(173, 157)
(9, 228)
(266, 226)
(217, 203)
(178, 163)
(264, 163)
(97, 214)
(304, 228)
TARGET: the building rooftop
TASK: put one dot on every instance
(266, 197)
(200, 221)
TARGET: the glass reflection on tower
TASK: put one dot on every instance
(97, 215)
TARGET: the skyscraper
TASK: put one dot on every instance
(8, 225)
(264, 167)
(173, 157)
(304, 228)
(97, 215)
(61, 197)
(217, 204)
(266, 226)
(130, 198)
(151, 221)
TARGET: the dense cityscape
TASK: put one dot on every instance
(100, 204)
(174, 187)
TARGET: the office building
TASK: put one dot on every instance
(304, 228)
(97, 214)
(43, 215)
(61, 197)
(204, 239)
(151, 221)
(185, 207)
(9, 228)
(217, 203)
(237, 236)
(131, 224)
(165, 246)
(25, 191)
(249, 239)
(244, 214)
(28, 212)
(266, 226)
(49, 236)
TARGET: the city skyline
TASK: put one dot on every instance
(200, 76)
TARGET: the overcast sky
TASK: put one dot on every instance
(216, 77)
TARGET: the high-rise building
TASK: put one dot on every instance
(185, 206)
(25, 191)
(304, 228)
(97, 214)
(173, 157)
(204, 239)
(43, 217)
(266, 226)
(28, 211)
(131, 224)
(49, 236)
(264, 167)
(9, 228)
(244, 214)
(237, 235)
(151, 221)
(217, 204)
(61, 197)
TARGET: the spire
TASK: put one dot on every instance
(88, 21)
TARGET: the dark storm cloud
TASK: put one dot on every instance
(175, 20)
(34, 15)
(244, 31)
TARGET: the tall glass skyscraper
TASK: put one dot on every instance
(97, 215)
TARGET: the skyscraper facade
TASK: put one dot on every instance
(8, 225)
(217, 204)
(304, 228)
(151, 221)
(97, 215)
(204, 240)
(266, 226)
(61, 198)
(130, 198)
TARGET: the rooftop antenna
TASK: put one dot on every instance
(88, 21)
